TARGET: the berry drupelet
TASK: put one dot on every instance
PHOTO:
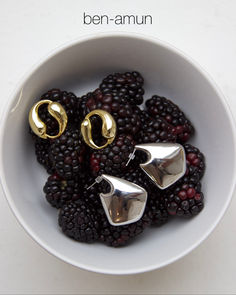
(159, 106)
(67, 152)
(127, 120)
(129, 84)
(112, 159)
(184, 198)
(79, 221)
(59, 191)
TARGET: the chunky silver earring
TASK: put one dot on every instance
(165, 163)
(126, 201)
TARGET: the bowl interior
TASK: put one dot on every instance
(79, 68)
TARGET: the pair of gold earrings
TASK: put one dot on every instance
(57, 111)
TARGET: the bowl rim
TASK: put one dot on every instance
(19, 86)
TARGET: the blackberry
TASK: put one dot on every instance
(159, 106)
(116, 236)
(59, 191)
(81, 108)
(127, 119)
(155, 130)
(137, 176)
(184, 198)
(67, 153)
(129, 84)
(79, 221)
(112, 159)
(67, 99)
(42, 147)
(195, 162)
(155, 207)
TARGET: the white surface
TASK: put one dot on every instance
(203, 29)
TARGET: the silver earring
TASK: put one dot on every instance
(126, 201)
(165, 163)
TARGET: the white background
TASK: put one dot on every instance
(205, 30)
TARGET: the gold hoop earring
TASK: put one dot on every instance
(56, 110)
(108, 128)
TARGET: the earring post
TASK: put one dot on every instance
(131, 157)
(97, 180)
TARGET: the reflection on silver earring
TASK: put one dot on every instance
(165, 163)
(126, 201)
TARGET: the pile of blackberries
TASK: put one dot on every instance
(73, 165)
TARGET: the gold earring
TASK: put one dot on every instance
(56, 110)
(108, 128)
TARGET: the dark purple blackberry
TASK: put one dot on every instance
(116, 236)
(79, 221)
(112, 159)
(82, 107)
(59, 191)
(129, 84)
(42, 147)
(195, 162)
(184, 198)
(67, 153)
(67, 99)
(155, 207)
(137, 176)
(158, 106)
(127, 120)
(155, 130)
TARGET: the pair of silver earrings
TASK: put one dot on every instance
(126, 201)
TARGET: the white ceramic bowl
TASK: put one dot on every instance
(79, 67)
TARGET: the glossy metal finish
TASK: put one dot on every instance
(165, 163)
(56, 110)
(125, 203)
(108, 128)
